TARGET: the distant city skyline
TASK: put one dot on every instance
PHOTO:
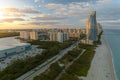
(31, 14)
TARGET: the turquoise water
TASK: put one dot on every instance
(113, 39)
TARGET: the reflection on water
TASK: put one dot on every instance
(9, 42)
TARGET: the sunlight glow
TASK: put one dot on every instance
(1, 15)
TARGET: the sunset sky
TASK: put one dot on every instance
(16, 14)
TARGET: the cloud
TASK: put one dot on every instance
(11, 19)
(53, 6)
(48, 17)
(74, 9)
(36, 0)
(41, 23)
(110, 21)
(14, 15)
(15, 10)
(39, 1)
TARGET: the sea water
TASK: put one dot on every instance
(113, 39)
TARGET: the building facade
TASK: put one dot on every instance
(61, 36)
(91, 30)
(25, 35)
(34, 35)
(53, 36)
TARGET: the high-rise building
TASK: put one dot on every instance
(92, 26)
(25, 35)
(87, 28)
(53, 36)
(34, 35)
(61, 36)
(66, 36)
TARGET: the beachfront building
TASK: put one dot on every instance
(92, 26)
(25, 35)
(93, 29)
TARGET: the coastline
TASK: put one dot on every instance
(102, 67)
(111, 60)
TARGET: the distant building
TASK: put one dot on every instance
(34, 35)
(61, 37)
(66, 36)
(53, 36)
(43, 36)
(25, 35)
(87, 28)
(58, 36)
(99, 28)
(74, 33)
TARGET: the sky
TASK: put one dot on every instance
(31, 14)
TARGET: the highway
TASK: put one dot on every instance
(41, 68)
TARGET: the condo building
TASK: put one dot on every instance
(25, 35)
(34, 35)
(53, 36)
(61, 36)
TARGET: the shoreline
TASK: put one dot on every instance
(111, 55)
(102, 67)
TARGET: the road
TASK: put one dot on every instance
(41, 68)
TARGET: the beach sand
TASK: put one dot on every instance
(101, 66)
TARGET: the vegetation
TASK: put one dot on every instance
(70, 56)
(98, 42)
(9, 34)
(49, 44)
(19, 67)
(51, 73)
(55, 69)
(81, 66)
(99, 38)
(66, 76)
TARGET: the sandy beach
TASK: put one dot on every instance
(101, 66)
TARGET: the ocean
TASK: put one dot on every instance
(113, 39)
